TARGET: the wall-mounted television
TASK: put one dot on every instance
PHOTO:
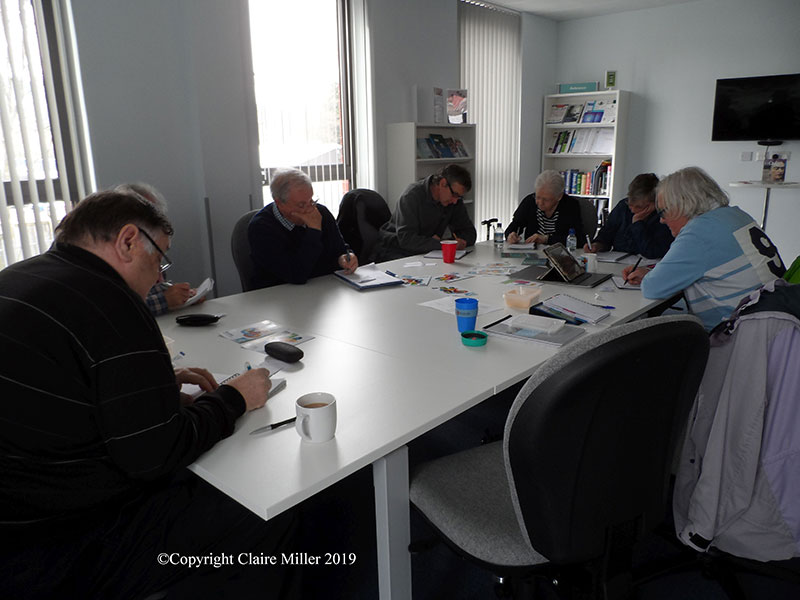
(757, 108)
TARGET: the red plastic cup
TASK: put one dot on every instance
(449, 250)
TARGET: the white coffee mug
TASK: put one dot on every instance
(316, 417)
(591, 262)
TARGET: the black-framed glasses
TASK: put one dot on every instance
(452, 193)
(166, 263)
(660, 211)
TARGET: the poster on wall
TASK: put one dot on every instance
(456, 106)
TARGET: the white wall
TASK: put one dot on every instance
(670, 59)
(168, 101)
(414, 42)
(539, 37)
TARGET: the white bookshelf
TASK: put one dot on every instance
(404, 165)
(588, 160)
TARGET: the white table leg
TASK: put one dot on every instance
(392, 524)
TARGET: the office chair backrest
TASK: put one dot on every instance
(590, 438)
(361, 214)
(240, 248)
(588, 218)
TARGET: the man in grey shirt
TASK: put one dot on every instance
(427, 211)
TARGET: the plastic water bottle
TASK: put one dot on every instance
(572, 241)
(499, 236)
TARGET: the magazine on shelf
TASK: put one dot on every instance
(557, 113)
(440, 144)
(573, 114)
(610, 112)
(424, 150)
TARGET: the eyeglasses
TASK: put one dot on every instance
(166, 263)
(452, 193)
(660, 211)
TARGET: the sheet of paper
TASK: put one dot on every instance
(202, 290)
(368, 275)
(622, 285)
(447, 305)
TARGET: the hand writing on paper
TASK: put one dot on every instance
(254, 386)
(197, 376)
(634, 277)
(177, 294)
(461, 243)
(348, 262)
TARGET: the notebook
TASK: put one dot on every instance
(368, 277)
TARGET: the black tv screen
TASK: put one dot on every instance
(757, 108)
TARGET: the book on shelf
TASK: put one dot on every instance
(461, 149)
(438, 105)
(592, 112)
(552, 144)
(424, 150)
(609, 112)
(441, 148)
(604, 141)
(573, 114)
(557, 113)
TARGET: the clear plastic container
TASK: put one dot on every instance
(522, 297)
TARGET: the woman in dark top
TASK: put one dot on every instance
(546, 216)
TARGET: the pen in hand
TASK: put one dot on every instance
(636, 266)
(588, 242)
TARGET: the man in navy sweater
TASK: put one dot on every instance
(294, 238)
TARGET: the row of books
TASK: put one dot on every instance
(438, 146)
(588, 183)
(592, 111)
(581, 141)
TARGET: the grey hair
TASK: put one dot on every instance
(286, 179)
(690, 192)
(550, 180)
(145, 191)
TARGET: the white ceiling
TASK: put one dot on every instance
(561, 10)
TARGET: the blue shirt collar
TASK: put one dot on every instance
(281, 219)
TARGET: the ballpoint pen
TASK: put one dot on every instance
(636, 266)
(273, 426)
(588, 242)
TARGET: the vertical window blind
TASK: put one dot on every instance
(490, 42)
(35, 192)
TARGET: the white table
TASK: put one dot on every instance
(397, 370)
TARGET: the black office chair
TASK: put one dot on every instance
(240, 248)
(582, 472)
(361, 214)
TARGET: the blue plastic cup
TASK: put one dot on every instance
(466, 313)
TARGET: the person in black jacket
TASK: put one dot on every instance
(546, 216)
(95, 435)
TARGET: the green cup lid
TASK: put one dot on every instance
(473, 338)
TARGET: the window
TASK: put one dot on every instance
(491, 72)
(301, 64)
(36, 191)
